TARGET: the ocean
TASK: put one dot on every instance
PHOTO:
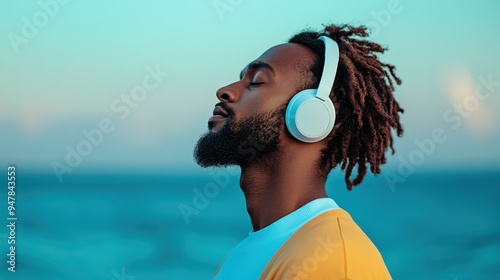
(124, 226)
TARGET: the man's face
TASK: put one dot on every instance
(248, 122)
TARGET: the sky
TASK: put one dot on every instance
(129, 85)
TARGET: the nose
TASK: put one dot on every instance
(226, 94)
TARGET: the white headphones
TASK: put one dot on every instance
(310, 114)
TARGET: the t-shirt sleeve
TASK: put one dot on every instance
(332, 247)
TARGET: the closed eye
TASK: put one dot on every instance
(255, 84)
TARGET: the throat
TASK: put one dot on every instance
(269, 198)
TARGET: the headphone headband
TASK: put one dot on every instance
(310, 114)
(329, 68)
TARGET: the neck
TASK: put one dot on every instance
(275, 188)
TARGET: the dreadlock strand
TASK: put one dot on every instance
(363, 98)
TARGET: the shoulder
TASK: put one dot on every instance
(330, 246)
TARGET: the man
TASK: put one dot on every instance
(298, 232)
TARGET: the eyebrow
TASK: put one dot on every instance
(256, 65)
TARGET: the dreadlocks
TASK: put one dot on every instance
(363, 97)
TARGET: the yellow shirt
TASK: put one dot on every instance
(330, 246)
(327, 245)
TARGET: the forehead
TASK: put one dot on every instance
(287, 58)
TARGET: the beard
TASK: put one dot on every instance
(241, 142)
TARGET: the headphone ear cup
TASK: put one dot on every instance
(308, 118)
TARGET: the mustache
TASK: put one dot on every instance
(225, 107)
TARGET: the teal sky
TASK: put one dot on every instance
(87, 54)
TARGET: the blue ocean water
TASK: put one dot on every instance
(435, 225)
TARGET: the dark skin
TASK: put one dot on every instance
(283, 181)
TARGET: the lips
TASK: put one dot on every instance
(218, 111)
(219, 116)
(216, 118)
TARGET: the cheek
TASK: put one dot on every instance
(282, 95)
(251, 104)
(265, 100)
(275, 98)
